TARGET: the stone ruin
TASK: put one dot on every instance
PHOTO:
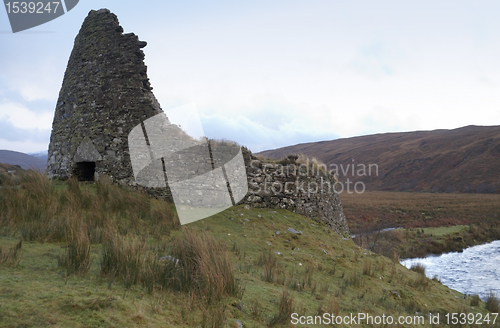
(106, 93)
(297, 188)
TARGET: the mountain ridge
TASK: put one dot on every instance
(457, 160)
(23, 160)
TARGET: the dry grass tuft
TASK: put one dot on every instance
(419, 268)
(367, 268)
(492, 303)
(305, 165)
(39, 209)
(474, 300)
(421, 281)
(201, 265)
(285, 309)
(197, 265)
(123, 258)
(76, 259)
(12, 256)
(214, 317)
(267, 260)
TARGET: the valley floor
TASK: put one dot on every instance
(430, 223)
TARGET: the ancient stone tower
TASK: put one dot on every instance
(105, 93)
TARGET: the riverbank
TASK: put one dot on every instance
(431, 223)
(420, 242)
(473, 271)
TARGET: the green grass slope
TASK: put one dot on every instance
(100, 256)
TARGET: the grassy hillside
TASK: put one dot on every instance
(6, 168)
(462, 160)
(100, 256)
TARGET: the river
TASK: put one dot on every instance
(476, 270)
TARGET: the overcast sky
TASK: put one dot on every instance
(269, 74)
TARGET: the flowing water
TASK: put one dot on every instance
(476, 270)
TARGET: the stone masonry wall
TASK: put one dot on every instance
(293, 187)
(274, 185)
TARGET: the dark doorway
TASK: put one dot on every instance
(84, 171)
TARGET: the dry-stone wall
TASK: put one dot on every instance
(300, 188)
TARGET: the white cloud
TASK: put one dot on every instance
(36, 91)
(21, 117)
(256, 136)
(24, 146)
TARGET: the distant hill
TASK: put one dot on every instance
(23, 160)
(41, 154)
(460, 160)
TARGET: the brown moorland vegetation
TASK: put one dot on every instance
(430, 222)
(460, 160)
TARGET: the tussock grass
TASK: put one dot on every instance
(333, 306)
(255, 309)
(267, 260)
(11, 256)
(305, 164)
(39, 209)
(76, 259)
(419, 268)
(214, 317)
(198, 265)
(203, 267)
(123, 258)
(421, 282)
(492, 303)
(367, 268)
(285, 309)
(474, 300)
(223, 143)
(7, 179)
(37, 186)
(354, 280)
